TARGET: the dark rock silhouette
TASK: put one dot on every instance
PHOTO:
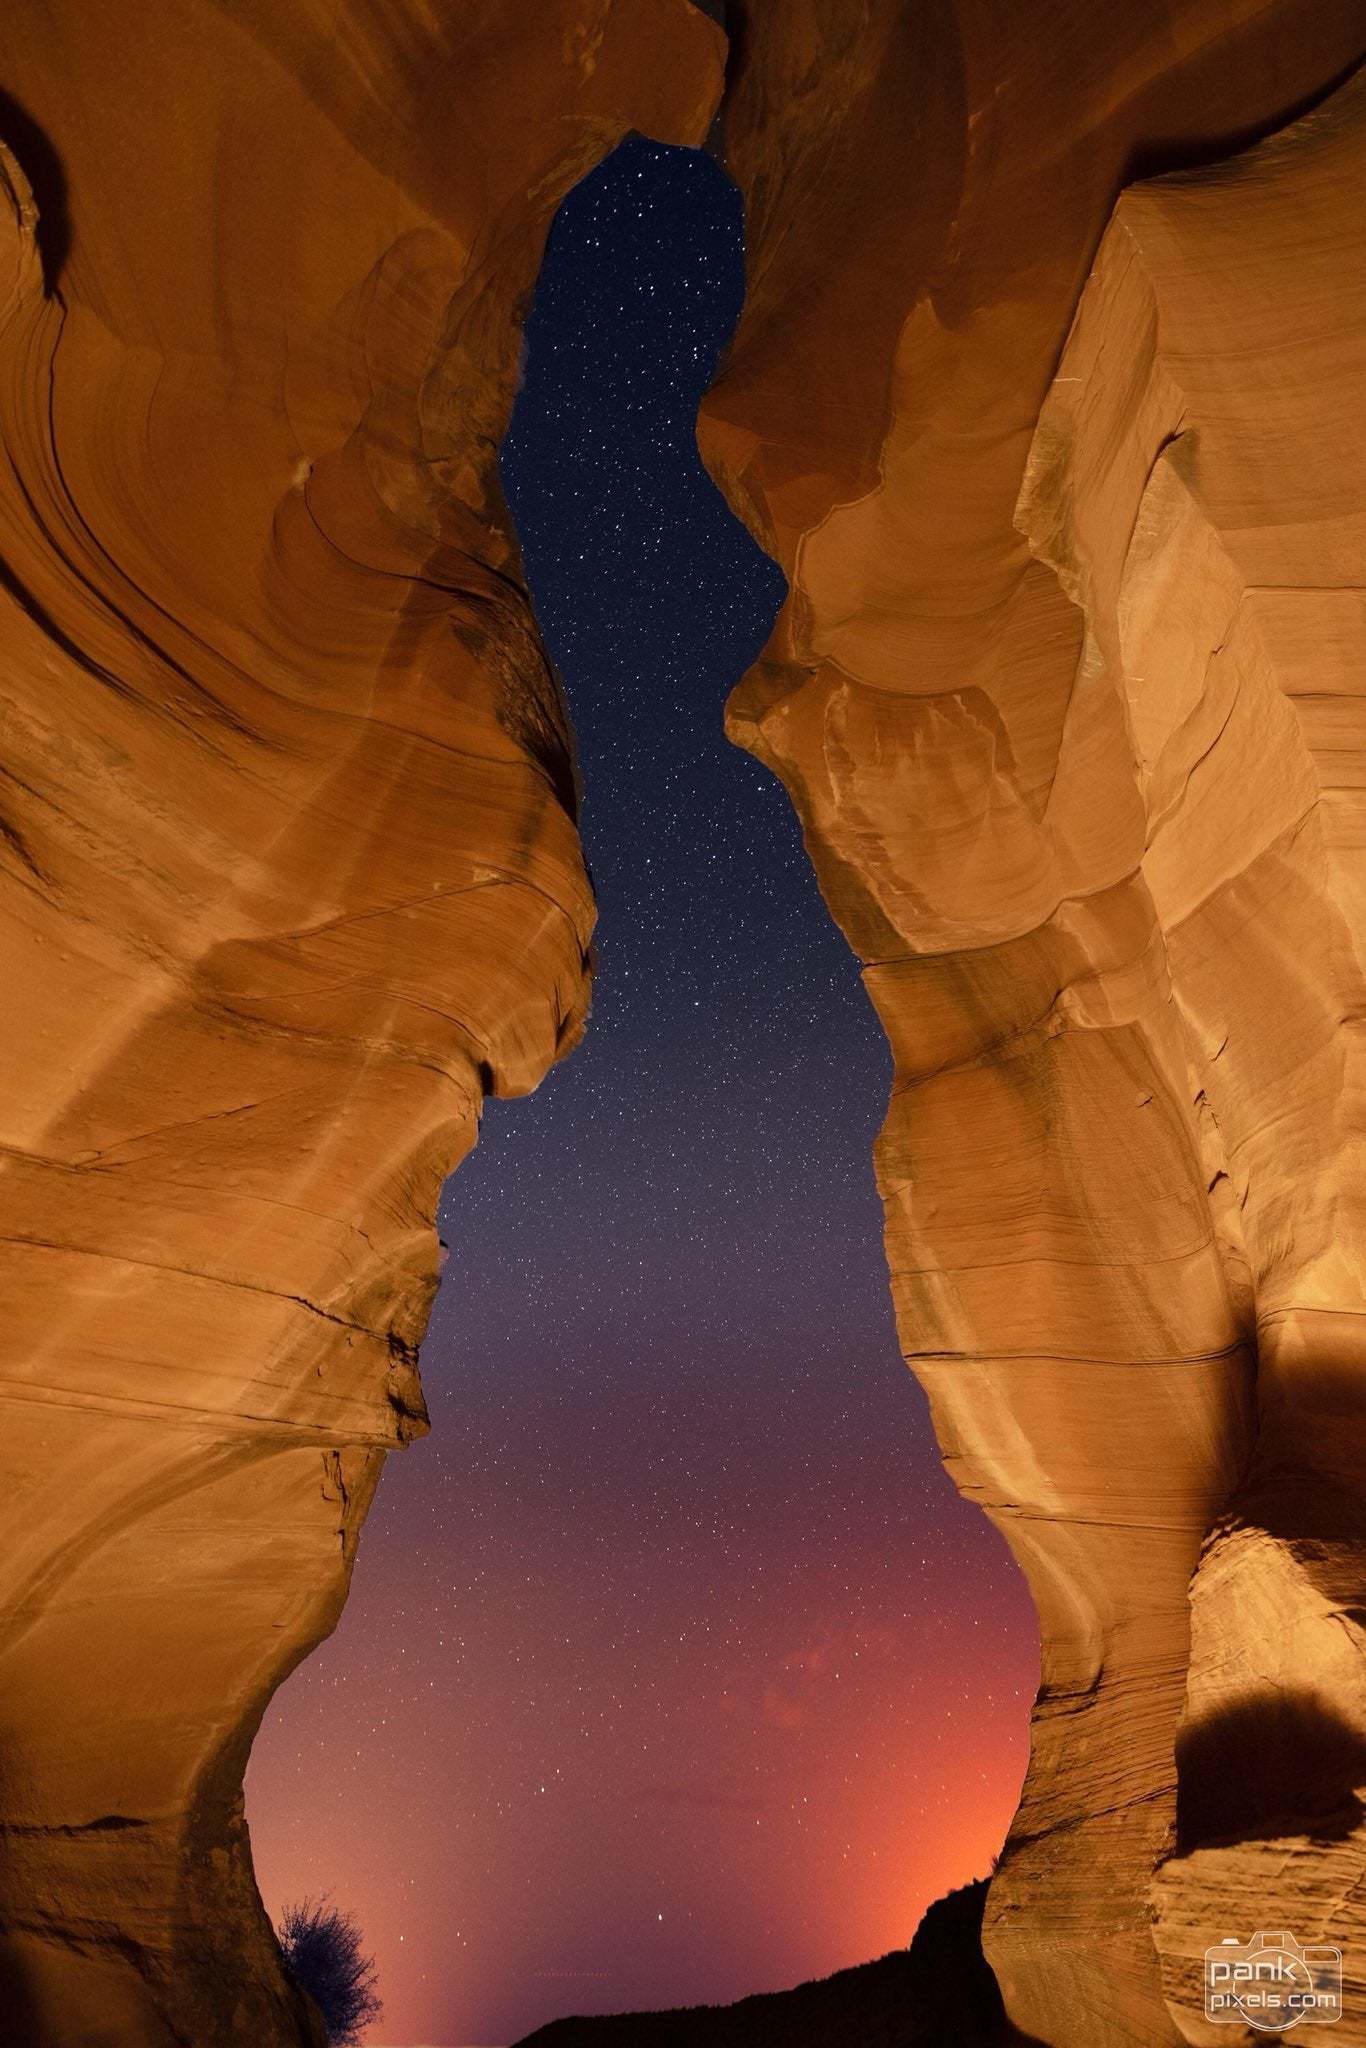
(937, 1992)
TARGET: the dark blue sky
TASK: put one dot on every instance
(698, 1175)
(674, 1667)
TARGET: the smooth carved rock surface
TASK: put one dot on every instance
(1207, 512)
(1066, 693)
(289, 877)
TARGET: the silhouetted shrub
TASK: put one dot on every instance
(322, 1953)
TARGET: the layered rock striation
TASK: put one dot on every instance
(289, 878)
(1064, 695)
(1066, 691)
(1207, 513)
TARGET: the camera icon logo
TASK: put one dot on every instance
(1271, 1983)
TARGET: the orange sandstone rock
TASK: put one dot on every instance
(1065, 705)
(290, 877)
(1065, 692)
(1208, 513)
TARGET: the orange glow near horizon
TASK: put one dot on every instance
(523, 1832)
(675, 1669)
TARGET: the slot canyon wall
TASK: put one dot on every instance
(290, 877)
(1064, 694)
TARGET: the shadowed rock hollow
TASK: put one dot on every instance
(1066, 692)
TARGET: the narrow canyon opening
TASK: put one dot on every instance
(680, 1549)
(675, 1669)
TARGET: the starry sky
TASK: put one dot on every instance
(674, 1668)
